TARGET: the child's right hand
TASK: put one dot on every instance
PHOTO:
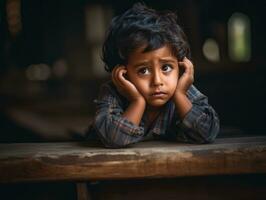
(124, 86)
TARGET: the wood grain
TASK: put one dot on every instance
(23, 162)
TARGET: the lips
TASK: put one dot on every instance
(158, 94)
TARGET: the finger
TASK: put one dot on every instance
(187, 66)
(190, 64)
(184, 68)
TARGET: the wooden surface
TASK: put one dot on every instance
(86, 161)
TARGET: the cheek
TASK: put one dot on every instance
(172, 82)
(141, 85)
(131, 76)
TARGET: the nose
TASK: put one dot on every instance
(157, 78)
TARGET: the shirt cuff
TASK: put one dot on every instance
(192, 117)
(128, 127)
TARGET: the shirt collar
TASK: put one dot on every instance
(162, 121)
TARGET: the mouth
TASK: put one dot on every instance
(158, 94)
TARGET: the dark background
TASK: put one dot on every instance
(51, 33)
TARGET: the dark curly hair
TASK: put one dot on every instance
(141, 26)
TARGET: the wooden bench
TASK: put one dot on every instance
(89, 161)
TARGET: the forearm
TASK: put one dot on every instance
(117, 128)
(114, 130)
(183, 104)
(134, 111)
(199, 126)
(197, 120)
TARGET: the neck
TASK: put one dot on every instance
(153, 112)
(154, 109)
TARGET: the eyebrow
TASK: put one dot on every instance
(141, 64)
(162, 60)
(167, 60)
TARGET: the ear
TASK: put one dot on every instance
(125, 75)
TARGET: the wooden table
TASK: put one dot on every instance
(87, 161)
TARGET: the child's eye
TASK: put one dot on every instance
(143, 71)
(167, 68)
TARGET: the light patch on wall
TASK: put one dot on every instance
(97, 63)
(95, 23)
(211, 50)
(239, 37)
(97, 19)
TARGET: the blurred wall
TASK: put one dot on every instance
(50, 56)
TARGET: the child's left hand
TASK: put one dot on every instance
(182, 103)
(187, 78)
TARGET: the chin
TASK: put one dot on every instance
(157, 103)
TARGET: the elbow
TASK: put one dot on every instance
(211, 134)
(204, 140)
(114, 145)
(204, 128)
(103, 130)
(205, 134)
(110, 142)
(113, 135)
(208, 140)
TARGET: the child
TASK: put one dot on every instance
(148, 97)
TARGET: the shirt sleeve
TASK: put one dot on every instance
(201, 124)
(114, 130)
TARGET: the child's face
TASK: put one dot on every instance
(154, 73)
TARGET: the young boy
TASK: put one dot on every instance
(148, 97)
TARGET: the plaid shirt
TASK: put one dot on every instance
(200, 125)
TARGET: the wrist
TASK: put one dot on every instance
(182, 103)
(135, 110)
(179, 95)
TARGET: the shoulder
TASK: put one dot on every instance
(107, 86)
(109, 93)
(107, 89)
(194, 94)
